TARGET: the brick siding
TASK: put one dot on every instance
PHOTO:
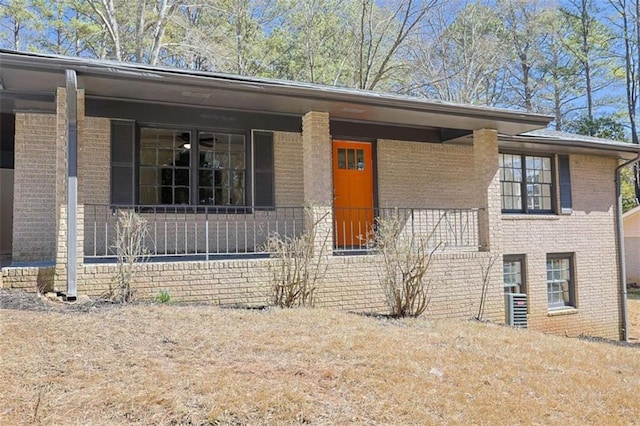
(289, 170)
(588, 233)
(34, 207)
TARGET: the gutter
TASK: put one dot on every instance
(624, 325)
(72, 184)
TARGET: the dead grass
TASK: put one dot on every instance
(204, 365)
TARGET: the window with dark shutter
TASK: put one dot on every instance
(123, 162)
(565, 184)
(263, 169)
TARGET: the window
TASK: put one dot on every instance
(166, 164)
(526, 183)
(560, 281)
(513, 274)
(221, 169)
(350, 159)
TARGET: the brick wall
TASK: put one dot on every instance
(415, 174)
(350, 283)
(34, 209)
(589, 233)
(289, 170)
(94, 161)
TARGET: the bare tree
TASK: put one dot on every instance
(628, 24)
(129, 25)
(461, 59)
(381, 34)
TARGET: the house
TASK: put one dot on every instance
(216, 163)
(631, 224)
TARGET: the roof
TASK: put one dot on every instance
(28, 81)
(27, 78)
(542, 139)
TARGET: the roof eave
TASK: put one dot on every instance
(612, 149)
(515, 121)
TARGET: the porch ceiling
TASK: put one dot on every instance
(28, 81)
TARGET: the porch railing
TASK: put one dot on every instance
(207, 232)
(448, 229)
(197, 231)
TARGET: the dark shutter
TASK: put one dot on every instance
(565, 184)
(123, 162)
(263, 169)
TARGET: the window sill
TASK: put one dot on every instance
(525, 216)
(562, 311)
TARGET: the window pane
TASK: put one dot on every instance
(206, 196)
(237, 197)
(342, 162)
(351, 159)
(166, 195)
(148, 156)
(236, 143)
(205, 178)
(165, 157)
(221, 196)
(511, 177)
(237, 180)
(181, 195)
(149, 195)
(182, 177)
(237, 161)
(148, 176)
(222, 142)
(360, 158)
(222, 160)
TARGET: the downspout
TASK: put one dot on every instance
(620, 237)
(72, 184)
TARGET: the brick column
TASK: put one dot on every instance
(60, 280)
(318, 179)
(487, 178)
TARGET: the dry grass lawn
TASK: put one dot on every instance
(205, 365)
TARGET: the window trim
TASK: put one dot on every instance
(522, 258)
(523, 184)
(194, 161)
(573, 295)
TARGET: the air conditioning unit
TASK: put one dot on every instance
(516, 309)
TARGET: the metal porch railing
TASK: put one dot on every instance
(448, 229)
(193, 231)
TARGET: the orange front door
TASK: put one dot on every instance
(353, 192)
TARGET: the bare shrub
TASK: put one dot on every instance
(129, 246)
(485, 269)
(406, 258)
(297, 267)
